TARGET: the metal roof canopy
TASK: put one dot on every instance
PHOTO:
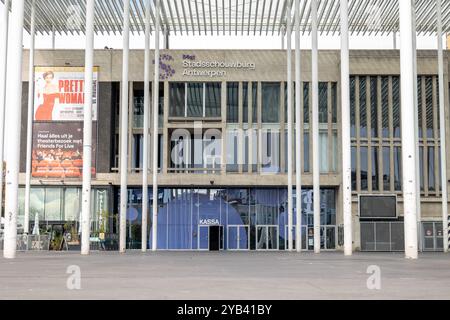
(231, 17)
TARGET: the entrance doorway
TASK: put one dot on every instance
(433, 239)
(210, 238)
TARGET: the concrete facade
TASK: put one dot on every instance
(270, 65)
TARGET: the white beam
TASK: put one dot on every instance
(315, 124)
(146, 128)
(3, 64)
(408, 128)
(13, 114)
(298, 131)
(29, 120)
(290, 129)
(87, 129)
(442, 125)
(155, 131)
(124, 127)
(346, 142)
(416, 131)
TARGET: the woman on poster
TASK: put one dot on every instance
(50, 94)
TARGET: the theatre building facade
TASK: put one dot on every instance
(223, 149)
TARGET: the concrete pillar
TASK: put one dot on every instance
(315, 124)
(146, 127)
(442, 124)
(3, 65)
(13, 114)
(155, 131)
(124, 127)
(290, 129)
(87, 129)
(29, 121)
(298, 131)
(346, 142)
(408, 127)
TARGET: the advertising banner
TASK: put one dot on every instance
(59, 94)
(58, 150)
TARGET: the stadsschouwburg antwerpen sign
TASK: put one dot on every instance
(212, 68)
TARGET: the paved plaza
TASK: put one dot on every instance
(225, 275)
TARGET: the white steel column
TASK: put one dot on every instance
(29, 121)
(442, 125)
(155, 132)
(87, 129)
(124, 127)
(146, 127)
(290, 129)
(298, 132)
(3, 64)
(416, 130)
(13, 114)
(408, 128)
(315, 124)
(346, 142)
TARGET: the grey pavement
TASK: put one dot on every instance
(224, 275)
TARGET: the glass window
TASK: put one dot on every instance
(363, 107)
(422, 175)
(386, 168)
(72, 200)
(324, 149)
(353, 151)
(431, 170)
(429, 106)
(53, 204)
(374, 168)
(212, 99)
(177, 99)
(37, 201)
(245, 102)
(334, 101)
(396, 106)
(233, 102)
(255, 102)
(232, 150)
(270, 150)
(306, 152)
(374, 106)
(364, 168)
(385, 106)
(323, 102)
(420, 105)
(306, 102)
(195, 99)
(352, 107)
(334, 150)
(270, 102)
(398, 168)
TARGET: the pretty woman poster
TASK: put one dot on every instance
(59, 94)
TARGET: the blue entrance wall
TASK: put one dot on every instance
(184, 215)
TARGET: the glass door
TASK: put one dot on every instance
(267, 237)
(238, 237)
(203, 237)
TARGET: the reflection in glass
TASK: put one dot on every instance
(270, 102)
(194, 99)
(212, 99)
